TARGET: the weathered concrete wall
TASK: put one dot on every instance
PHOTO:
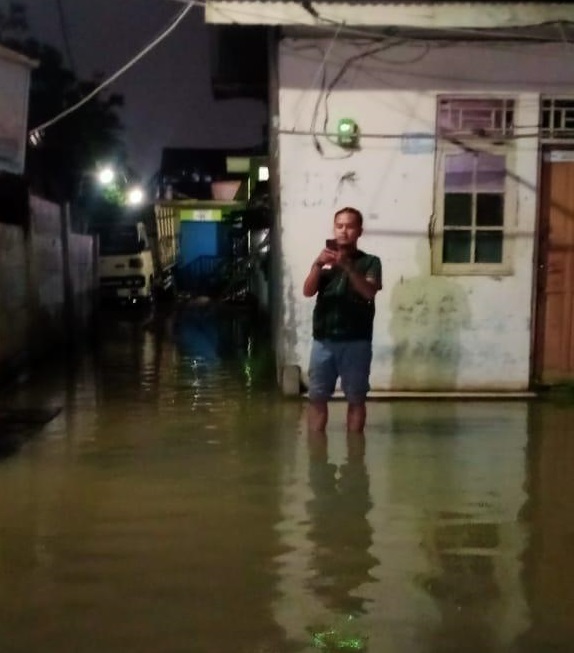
(35, 269)
(83, 278)
(46, 274)
(431, 332)
(14, 313)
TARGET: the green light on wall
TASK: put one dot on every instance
(347, 133)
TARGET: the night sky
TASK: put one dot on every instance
(168, 100)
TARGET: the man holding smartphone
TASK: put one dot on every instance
(345, 280)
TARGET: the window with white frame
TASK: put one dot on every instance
(475, 192)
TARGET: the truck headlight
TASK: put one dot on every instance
(136, 263)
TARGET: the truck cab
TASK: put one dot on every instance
(125, 262)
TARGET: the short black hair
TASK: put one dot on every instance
(349, 209)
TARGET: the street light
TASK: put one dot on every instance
(106, 175)
(134, 196)
(131, 195)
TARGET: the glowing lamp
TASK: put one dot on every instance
(347, 133)
(106, 176)
(134, 196)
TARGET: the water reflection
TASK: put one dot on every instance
(447, 493)
(211, 336)
(464, 584)
(548, 561)
(339, 528)
(150, 526)
(460, 516)
(177, 504)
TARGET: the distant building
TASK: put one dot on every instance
(220, 197)
(189, 173)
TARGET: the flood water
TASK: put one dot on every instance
(176, 504)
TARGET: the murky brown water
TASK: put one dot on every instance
(176, 504)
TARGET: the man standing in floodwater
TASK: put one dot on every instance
(345, 280)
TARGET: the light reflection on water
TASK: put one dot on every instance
(177, 504)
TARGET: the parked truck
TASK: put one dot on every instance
(138, 254)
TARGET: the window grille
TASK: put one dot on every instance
(557, 118)
(475, 117)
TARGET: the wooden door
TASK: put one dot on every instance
(554, 338)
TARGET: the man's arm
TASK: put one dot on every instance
(367, 285)
(311, 284)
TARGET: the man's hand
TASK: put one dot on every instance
(311, 285)
(326, 257)
(367, 287)
(342, 259)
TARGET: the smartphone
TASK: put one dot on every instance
(331, 244)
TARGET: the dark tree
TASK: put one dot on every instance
(66, 152)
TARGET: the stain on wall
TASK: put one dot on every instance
(289, 339)
(428, 316)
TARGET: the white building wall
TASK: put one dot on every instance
(483, 340)
(14, 82)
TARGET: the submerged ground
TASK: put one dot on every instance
(176, 503)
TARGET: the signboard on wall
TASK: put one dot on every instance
(559, 156)
(417, 143)
(201, 215)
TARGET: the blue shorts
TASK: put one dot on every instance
(350, 360)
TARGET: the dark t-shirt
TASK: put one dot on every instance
(341, 313)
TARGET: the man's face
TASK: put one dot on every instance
(347, 230)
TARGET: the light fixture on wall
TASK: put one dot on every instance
(347, 133)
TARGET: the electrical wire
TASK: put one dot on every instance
(320, 70)
(525, 38)
(431, 40)
(373, 52)
(326, 92)
(389, 70)
(328, 23)
(528, 49)
(429, 136)
(370, 34)
(189, 6)
(426, 48)
(516, 37)
(325, 24)
(525, 128)
(348, 63)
